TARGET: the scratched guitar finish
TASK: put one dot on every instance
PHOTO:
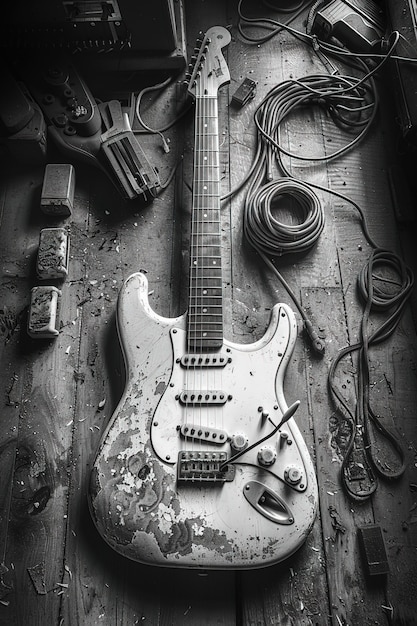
(195, 468)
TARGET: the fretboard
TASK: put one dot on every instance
(205, 308)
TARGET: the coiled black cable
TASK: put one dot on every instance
(382, 294)
(271, 236)
(351, 103)
(347, 99)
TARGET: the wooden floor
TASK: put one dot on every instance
(56, 397)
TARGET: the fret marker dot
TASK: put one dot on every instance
(205, 292)
(205, 158)
(214, 262)
(204, 310)
(205, 187)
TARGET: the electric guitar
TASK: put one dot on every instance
(202, 464)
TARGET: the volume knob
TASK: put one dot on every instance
(293, 475)
(239, 442)
(267, 456)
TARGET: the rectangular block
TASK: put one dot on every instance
(53, 253)
(58, 189)
(43, 312)
(372, 545)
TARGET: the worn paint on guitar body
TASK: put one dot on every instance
(202, 464)
(135, 500)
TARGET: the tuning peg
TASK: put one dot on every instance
(200, 38)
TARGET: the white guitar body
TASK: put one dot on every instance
(136, 501)
(202, 464)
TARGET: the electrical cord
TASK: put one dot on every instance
(271, 237)
(352, 107)
(391, 299)
(351, 102)
(306, 37)
(274, 26)
(159, 131)
(283, 9)
(285, 418)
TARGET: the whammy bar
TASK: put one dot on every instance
(98, 133)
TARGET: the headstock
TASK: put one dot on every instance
(210, 70)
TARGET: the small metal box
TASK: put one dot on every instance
(371, 542)
(53, 253)
(58, 189)
(43, 312)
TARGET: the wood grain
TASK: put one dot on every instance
(57, 397)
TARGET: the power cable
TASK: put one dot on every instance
(351, 102)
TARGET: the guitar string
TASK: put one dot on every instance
(214, 186)
(205, 229)
(215, 195)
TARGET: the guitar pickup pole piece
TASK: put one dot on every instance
(212, 435)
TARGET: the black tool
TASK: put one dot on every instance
(100, 134)
(244, 93)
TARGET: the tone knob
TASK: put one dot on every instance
(267, 456)
(293, 475)
(239, 442)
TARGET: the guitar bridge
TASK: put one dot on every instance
(204, 467)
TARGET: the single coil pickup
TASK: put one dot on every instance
(203, 398)
(204, 467)
(213, 435)
(192, 361)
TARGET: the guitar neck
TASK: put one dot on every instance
(205, 310)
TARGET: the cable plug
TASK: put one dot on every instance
(164, 144)
(318, 344)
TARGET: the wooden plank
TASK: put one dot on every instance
(43, 405)
(283, 594)
(147, 240)
(57, 398)
(339, 516)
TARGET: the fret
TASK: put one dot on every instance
(205, 307)
(209, 187)
(207, 278)
(211, 271)
(202, 313)
(210, 293)
(208, 340)
(206, 143)
(201, 205)
(198, 316)
(203, 331)
(199, 329)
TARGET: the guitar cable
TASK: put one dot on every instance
(351, 103)
(286, 416)
(392, 300)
